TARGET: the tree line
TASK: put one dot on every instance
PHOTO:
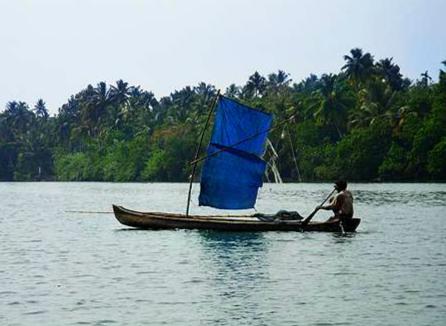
(365, 123)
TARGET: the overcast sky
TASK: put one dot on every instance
(51, 49)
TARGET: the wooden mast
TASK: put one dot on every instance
(197, 152)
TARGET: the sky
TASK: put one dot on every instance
(51, 49)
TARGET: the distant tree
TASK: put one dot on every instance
(358, 66)
(40, 110)
(233, 91)
(308, 85)
(330, 103)
(376, 101)
(390, 73)
(425, 79)
(119, 92)
(278, 80)
(19, 116)
(255, 87)
(365, 122)
(205, 91)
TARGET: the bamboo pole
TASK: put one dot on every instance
(197, 152)
(294, 153)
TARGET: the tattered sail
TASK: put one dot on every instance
(230, 179)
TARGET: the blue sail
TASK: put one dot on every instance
(231, 178)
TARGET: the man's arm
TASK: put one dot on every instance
(335, 205)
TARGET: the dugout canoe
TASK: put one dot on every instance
(161, 220)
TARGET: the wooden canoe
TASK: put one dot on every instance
(158, 220)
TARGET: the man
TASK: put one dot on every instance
(341, 204)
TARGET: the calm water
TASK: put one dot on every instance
(65, 268)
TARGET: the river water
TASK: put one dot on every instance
(59, 267)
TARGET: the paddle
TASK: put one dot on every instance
(308, 219)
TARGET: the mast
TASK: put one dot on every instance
(197, 152)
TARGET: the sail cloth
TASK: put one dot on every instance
(231, 178)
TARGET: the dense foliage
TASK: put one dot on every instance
(365, 123)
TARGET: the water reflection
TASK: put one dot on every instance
(227, 251)
(236, 264)
(343, 237)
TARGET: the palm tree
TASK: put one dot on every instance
(256, 86)
(92, 103)
(12, 107)
(377, 101)
(40, 110)
(205, 91)
(330, 103)
(233, 91)
(148, 100)
(358, 67)
(120, 92)
(442, 76)
(425, 79)
(182, 104)
(101, 94)
(308, 85)
(18, 116)
(390, 73)
(204, 94)
(279, 79)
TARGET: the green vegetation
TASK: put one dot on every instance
(365, 123)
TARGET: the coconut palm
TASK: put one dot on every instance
(307, 85)
(358, 67)
(18, 116)
(330, 103)
(205, 91)
(390, 73)
(255, 87)
(181, 105)
(425, 79)
(120, 92)
(40, 110)
(279, 79)
(101, 94)
(442, 76)
(233, 91)
(376, 101)
(148, 100)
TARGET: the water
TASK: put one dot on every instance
(64, 268)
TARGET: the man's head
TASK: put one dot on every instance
(340, 185)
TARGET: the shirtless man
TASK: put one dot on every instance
(341, 204)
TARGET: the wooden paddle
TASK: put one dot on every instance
(308, 219)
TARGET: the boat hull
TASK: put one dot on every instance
(158, 220)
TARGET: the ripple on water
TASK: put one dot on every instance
(35, 312)
(13, 303)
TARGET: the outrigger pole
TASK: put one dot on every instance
(197, 152)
